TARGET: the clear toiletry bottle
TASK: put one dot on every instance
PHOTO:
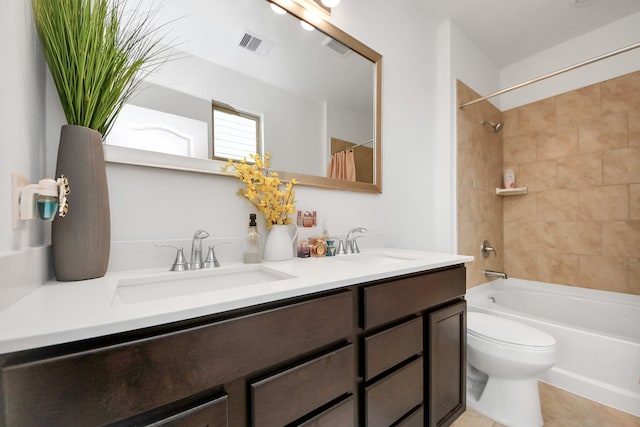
(252, 243)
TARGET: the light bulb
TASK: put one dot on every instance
(307, 26)
(277, 9)
(331, 3)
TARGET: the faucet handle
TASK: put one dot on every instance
(212, 261)
(180, 263)
(486, 248)
(355, 249)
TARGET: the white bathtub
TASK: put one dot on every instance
(597, 333)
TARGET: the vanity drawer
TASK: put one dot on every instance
(389, 399)
(395, 299)
(339, 415)
(416, 419)
(210, 414)
(392, 346)
(113, 383)
(289, 395)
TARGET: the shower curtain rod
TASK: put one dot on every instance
(555, 73)
(356, 145)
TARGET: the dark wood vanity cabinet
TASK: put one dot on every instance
(414, 349)
(376, 354)
(161, 375)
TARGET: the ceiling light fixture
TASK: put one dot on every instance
(277, 9)
(330, 3)
(307, 26)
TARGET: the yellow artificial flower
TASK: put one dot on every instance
(263, 189)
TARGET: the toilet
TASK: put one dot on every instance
(504, 358)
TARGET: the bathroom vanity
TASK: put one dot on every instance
(383, 345)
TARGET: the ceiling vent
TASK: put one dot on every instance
(255, 44)
(336, 46)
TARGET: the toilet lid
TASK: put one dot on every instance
(504, 330)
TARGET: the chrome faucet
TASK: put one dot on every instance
(350, 242)
(196, 262)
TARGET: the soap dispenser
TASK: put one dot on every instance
(252, 243)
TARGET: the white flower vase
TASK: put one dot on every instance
(279, 245)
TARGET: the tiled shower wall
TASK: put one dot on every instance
(479, 172)
(579, 155)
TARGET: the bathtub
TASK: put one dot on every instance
(597, 335)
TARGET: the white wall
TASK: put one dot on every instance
(458, 59)
(21, 148)
(616, 35)
(407, 40)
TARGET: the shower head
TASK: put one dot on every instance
(497, 127)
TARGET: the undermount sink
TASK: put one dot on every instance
(176, 284)
(378, 258)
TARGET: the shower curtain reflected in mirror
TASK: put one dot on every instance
(343, 165)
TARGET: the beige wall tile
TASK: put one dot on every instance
(521, 236)
(634, 276)
(481, 160)
(519, 149)
(560, 141)
(621, 238)
(558, 267)
(476, 205)
(604, 272)
(465, 239)
(536, 116)
(538, 176)
(480, 214)
(571, 237)
(634, 128)
(521, 264)
(604, 133)
(606, 203)
(510, 119)
(520, 208)
(621, 93)
(583, 170)
(558, 205)
(578, 105)
(634, 202)
(465, 168)
(621, 166)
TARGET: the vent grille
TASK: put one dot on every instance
(336, 46)
(254, 43)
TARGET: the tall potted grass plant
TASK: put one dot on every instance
(98, 52)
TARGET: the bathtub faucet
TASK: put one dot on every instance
(491, 273)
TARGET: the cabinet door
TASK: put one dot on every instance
(447, 364)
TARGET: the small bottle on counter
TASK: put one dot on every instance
(252, 243)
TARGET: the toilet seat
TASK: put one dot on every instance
(507, 332)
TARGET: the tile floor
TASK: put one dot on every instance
(561, 409)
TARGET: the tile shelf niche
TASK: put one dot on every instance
(511, 191)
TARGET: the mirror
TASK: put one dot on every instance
(310, 90)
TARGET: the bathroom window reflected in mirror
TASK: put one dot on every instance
(236, 134)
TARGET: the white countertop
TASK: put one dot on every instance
(60, 312)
